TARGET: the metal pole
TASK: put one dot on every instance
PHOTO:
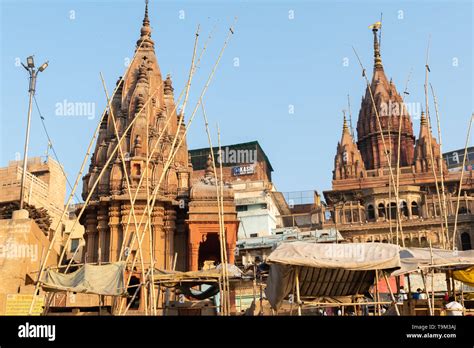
(27, 139)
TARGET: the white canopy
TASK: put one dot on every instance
(330, 270)
(413, 259)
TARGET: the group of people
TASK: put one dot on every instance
(452, 307)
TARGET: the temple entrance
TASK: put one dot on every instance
(209, 250)
(133, 287)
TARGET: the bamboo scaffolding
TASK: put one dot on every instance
(151, 203)
(389, 160)
(405, 92)
(219, 210)
(158, 142)
(66, 208)
(460, 181)
(127, 178)
(441, 162)
(430, 147)
(222, 230)
(173, 153)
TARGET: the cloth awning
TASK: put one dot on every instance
(465, 276)
(89, 279)
(330, 270)
(414, 259)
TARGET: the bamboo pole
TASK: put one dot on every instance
(426, 292)
(222, 228)
(460, 182)
(430, 147)
(432, 279)
(297, 284)
(441, 165)
(403, 109)
(377, 294)
(218, 195)
(395, 302)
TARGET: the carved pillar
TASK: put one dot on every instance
(193, 256)
(91, 237)
(103, 229)
(114, 226)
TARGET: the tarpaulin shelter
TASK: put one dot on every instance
(465, 276)
(330, 270)
(415, 259)
(105, 279)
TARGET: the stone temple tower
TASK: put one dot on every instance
(391, 112)
(108, 220)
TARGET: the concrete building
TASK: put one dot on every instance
(23, 246)
(247, 168)
(45, 185)
(454, 159)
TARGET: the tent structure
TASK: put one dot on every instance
(330, 270)
(415, 259)
(89, 279)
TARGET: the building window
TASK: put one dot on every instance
(414, 209)
(263, 206)
(355, 215)
(404, 209)
(424, 242)
(393, 211)
(253, 235)
(370, 212)
(74, 244)
(381, 210)
(466, 241)
(348, 216)
(242, 208)
(407, 242)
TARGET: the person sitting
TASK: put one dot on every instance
(402, 295)
(454, 308)
(416, 295)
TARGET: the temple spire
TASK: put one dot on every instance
(345, 127)
(146, 20)
(377, 57)
(145, 32)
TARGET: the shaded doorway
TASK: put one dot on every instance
(209, 250)
(133, 286)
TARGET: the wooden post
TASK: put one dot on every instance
(426, 291)
(297, 283)
(391, 294)
(377, 297)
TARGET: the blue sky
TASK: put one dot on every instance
(289, 54)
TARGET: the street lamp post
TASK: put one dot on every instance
(30, 67)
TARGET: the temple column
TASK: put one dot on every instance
(103, 227)
(114, 226)
(91, 237)
(193, 256)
